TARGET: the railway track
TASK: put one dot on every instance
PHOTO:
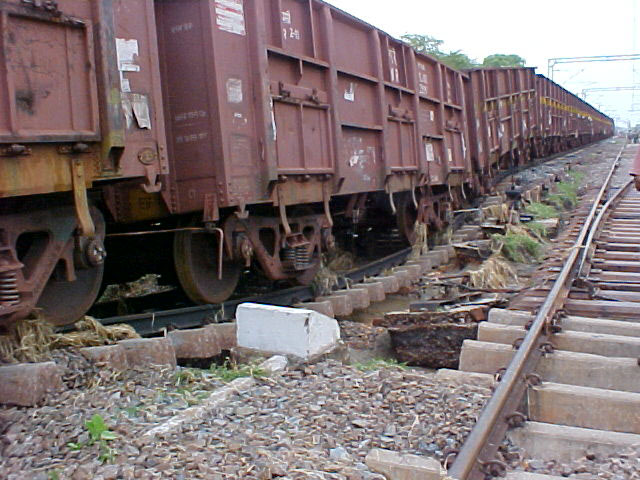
(571, 348)
(189, 317)
(149, 320)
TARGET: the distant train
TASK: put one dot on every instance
(199, 137)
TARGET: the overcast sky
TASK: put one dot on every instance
(536, 30)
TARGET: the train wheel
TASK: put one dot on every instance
(195, 257)
(66, 302)
(406, 216)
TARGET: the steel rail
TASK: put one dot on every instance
(189, 317)
(587, 253)
(476, 459)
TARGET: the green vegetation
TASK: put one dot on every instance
(519, 247)
(187, 376)
(457, 58)
(132, 411)
(98, 433)
(230, 371)
(577, 176)
(538, 230)
(378, 364)
(98, 430)
(564, 198)
(542, 210)
(566, 195)
(501, 60)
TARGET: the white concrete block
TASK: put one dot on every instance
(287, 331)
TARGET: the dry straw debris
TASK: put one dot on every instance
(34, 339)
(91, 333)
(421, 245)
(501, 212)
(495, 272)
(335, 260)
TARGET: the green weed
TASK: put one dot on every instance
(107, 454)
(98, 433)
(98, 430)
(537, 229)
(187, 376)
(576, 176)
(230, 371)
(378, 364)
(566, 195)
(519, 247)
(542, 210)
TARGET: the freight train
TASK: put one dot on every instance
(201, 137)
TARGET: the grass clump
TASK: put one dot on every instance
(577, 176)
(519, 247)
(378, 364)
(566, 195)
(230, 371)
(542, 210)
(538, 230)
(187, 376)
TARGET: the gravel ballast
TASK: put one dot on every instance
(318, 422)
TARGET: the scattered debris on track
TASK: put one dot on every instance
(35, 340)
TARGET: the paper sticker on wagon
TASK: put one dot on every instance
(230, 16)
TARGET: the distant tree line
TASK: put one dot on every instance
(456, 58)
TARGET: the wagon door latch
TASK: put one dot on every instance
(80, 200)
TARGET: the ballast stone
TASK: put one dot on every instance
(288, 331)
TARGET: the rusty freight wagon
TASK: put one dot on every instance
(80, 103)
(566, 121)
(232, 131)
(503, 117)
(197, 138)
(282, 115)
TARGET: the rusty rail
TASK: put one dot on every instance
(476, 460)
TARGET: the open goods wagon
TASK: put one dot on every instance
(503, 117)
(242, 128)
(196, 137)
(566, 121)
(80, 104)
(516, 115)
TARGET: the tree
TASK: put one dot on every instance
(458, 60)
(424, 43)
(501, 60)
(433, 46)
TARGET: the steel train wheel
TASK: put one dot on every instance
(195, 257)
(66, 302)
